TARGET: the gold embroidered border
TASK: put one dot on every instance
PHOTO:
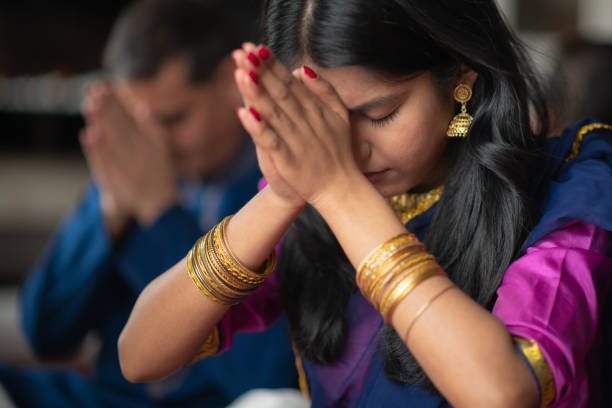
(580, 135)
(302, 382)
(210, 346)
(540, 367)
(409, 205)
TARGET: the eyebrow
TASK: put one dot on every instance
(375, 103)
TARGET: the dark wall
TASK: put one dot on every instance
(40, 36)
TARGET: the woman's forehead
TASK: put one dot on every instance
(358, 86)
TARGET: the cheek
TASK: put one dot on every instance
(419, 138)
(193, 134)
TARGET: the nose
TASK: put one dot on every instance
(362, 150)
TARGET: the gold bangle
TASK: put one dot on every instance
(424, 307)
(406, 267)
(218, 274)
(238, 266)
(211, 282)
(209, 274)
(221, 270)
(219, 277)
(376, 256)
(206, 278)
(378, 286)
(196, 281)
(366, 276)
(402, 280)
(232, 265)
(410, 268)
(394, 297)
(381, 272)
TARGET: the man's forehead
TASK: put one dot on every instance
(160, 96)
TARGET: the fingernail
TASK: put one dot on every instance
(235, 56)
(237, 110)
(309, 72)
(255, 114)
(263, 52)
(253, 59)
(254, 77)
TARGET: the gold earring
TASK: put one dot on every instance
(460, 124)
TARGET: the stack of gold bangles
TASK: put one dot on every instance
(393, 269)
(217, 272)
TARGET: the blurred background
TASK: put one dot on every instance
(50, 51)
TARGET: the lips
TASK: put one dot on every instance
(375, 176)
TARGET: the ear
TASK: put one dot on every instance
(466, 76)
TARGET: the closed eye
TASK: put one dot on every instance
(378, 123)
(173, 119)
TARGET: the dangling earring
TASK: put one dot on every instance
(460, 124)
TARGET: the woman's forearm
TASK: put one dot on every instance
(258, 227)
(464, 349)
(172, 318)
(168, 324)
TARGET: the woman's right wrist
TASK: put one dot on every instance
(255, 230)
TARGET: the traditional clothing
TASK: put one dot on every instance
(84, 282)
(552, 298)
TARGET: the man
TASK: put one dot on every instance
(169, 160)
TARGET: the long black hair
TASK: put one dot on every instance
(486, 210)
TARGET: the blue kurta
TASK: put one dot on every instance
(84, 282)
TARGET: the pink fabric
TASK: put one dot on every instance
(255, 313)
(262, 183)
(552, 295)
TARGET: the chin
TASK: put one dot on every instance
(389, 191)
(385, 190)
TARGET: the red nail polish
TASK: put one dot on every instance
(263, 52)
(254, 77)
(255, 114)
(309, 72)
(253, 59)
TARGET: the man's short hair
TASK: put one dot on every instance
(149, 33)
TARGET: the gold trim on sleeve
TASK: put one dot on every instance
(540, 367)
(580, 135)
(210, 346)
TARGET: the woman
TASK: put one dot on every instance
(429, 107)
